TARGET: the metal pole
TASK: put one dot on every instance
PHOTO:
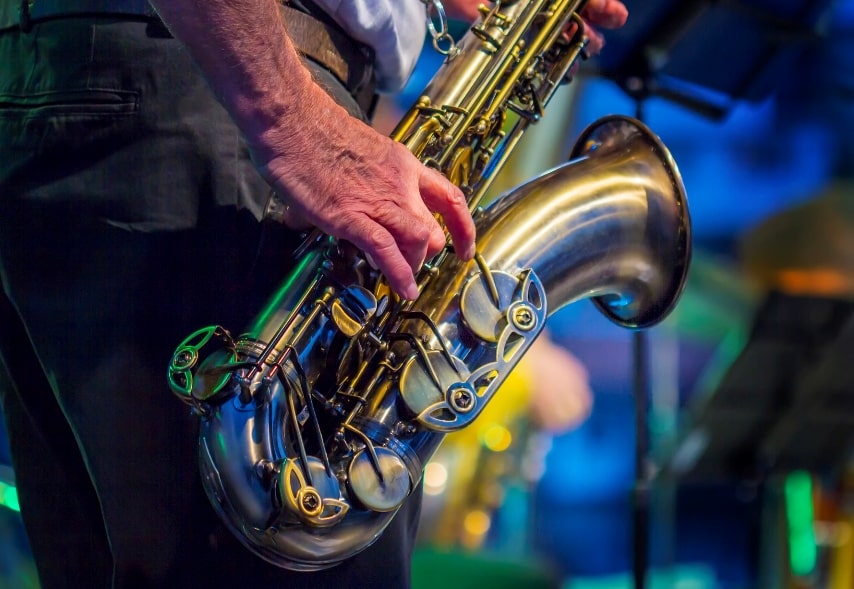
(640, 386)
(640, 491)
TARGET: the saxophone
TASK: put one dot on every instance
(316, 423)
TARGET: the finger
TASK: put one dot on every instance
(416, 232)
(595, 41)
(437, 240)
(441, 196)
(378, 244)
(610, 14)
(593, 7)
(418, 249)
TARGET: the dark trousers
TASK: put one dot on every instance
(128, 219)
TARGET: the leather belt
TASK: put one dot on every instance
(350, 61)
(323, 42)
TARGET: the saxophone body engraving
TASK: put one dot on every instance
(317, 421)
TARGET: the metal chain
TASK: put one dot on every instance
(443, 42)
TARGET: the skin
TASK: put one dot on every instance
(344, 178)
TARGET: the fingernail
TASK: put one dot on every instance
(411, 292)
(371, 261)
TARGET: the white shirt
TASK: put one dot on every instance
(393, 29)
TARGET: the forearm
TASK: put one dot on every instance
(242, 48)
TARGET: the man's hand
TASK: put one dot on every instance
(463, 10)
(351, 182)
(609, 14)
(606, 14)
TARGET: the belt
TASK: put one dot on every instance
(327, 44)
(324, 42)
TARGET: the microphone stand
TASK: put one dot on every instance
(641, 487)
(639, 88)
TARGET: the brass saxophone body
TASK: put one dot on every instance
(317, 421)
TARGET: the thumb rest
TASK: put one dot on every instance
(316, 423)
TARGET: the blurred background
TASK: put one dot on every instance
(714, 451)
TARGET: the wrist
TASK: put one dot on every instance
(271, 113)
